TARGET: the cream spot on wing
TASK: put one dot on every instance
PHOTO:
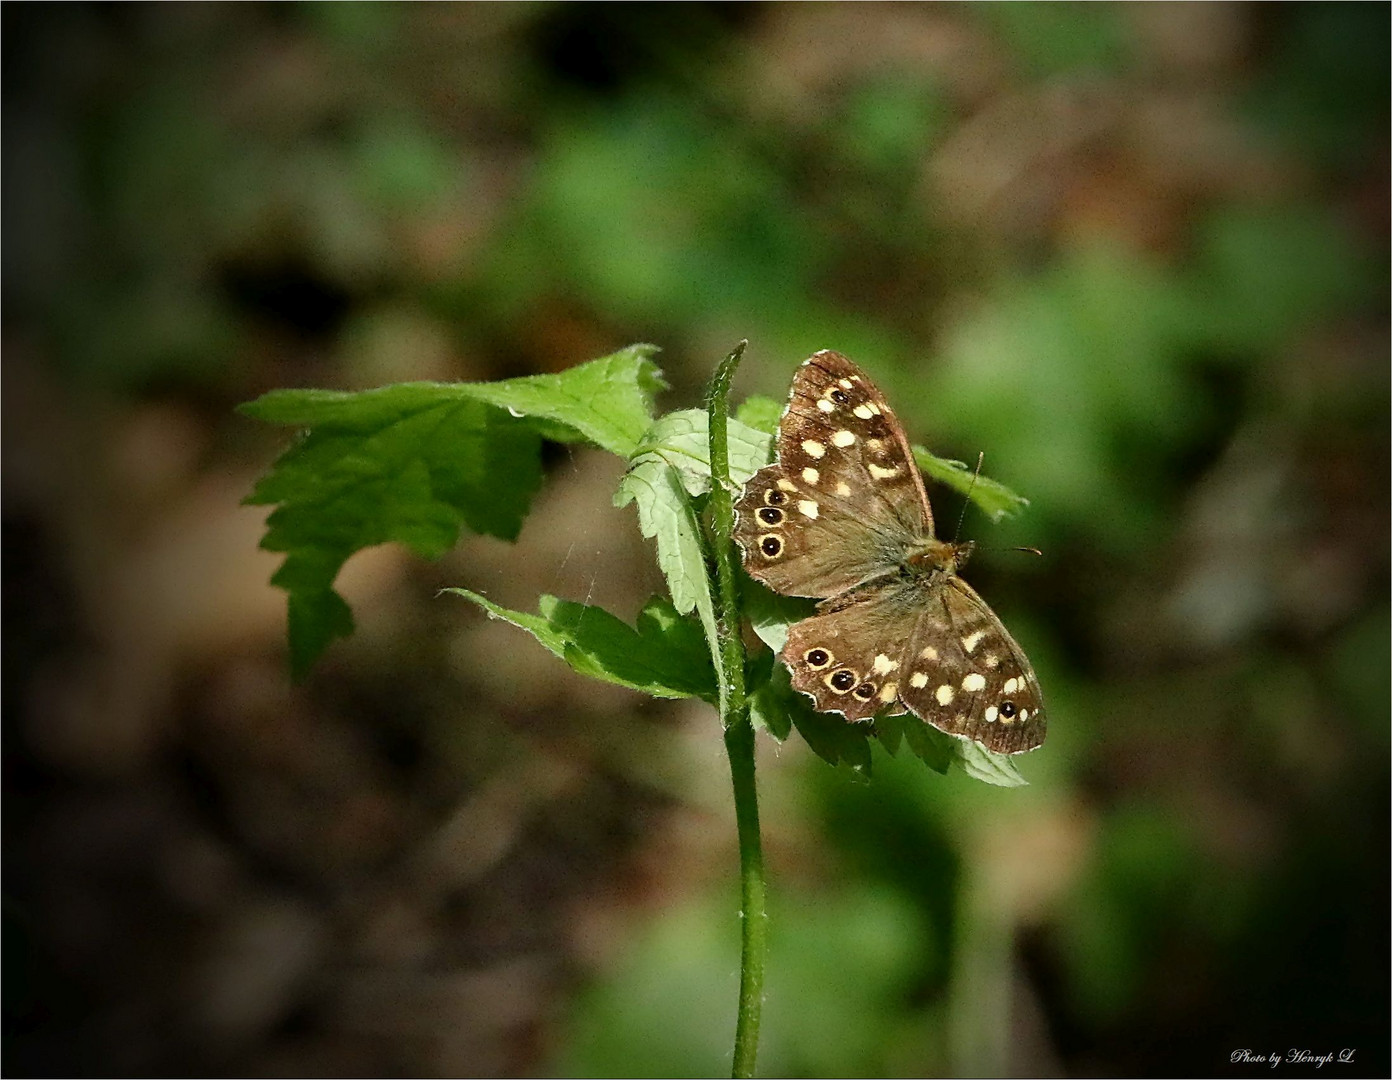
(991, 660)
(863, 411)
(919, 681)
(874, 409)
(813, 447)
(875, 445)
(811, 475)
(843, 489)
(881, 473)
(944, 694)
(842, 438)
(845, 384)
(1010, 685)
(1024, 715)
(974, 682)
(890, 691)
(884, 665)
(786, 485)
(928, 653)
(991, 714)
(971, 641)
(807, 507)
(825, 405)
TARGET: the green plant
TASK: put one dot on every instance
(416, 462)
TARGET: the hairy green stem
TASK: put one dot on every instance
(739, 732)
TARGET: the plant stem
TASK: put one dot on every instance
(739, 745)
(739, 732)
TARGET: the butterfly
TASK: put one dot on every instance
(842, 515)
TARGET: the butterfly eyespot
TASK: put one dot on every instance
(771, 546)
(771, 515)
(1007, 709)
(817, 658)
(865, 691)
(774, 497)
(839, 396)
(842, 680)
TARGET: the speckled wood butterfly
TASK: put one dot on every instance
(843, 516)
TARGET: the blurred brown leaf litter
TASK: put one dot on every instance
(1136, 253)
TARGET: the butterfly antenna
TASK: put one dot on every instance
(980, 457)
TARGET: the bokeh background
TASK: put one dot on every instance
(1136, 254)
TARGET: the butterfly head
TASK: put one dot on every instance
(940, 556)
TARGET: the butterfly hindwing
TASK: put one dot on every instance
(965, 675)
(850, 659)
(955, 666)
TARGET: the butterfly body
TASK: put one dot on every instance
(842, 515)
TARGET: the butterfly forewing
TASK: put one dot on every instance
(839, 426)
(842, 516)
(800, 543)
(844, 499)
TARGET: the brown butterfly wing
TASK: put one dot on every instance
(845, 500)
(935, 650)
(852, 658)
(965, 674)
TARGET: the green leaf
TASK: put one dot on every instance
(672, 465)
(607, 401)
(771, 613)
(361, 411)
(397, 464)
(994, 498)
(768, 708)
(681, 440)
(981, 764)
(314, 618)
(416, 461)
(925, 742)
(776, 705)
(758, 668)
(761, 413)
(666, 514)
(890, 731)
(939, 750)
(847, 746)
(663, 655)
